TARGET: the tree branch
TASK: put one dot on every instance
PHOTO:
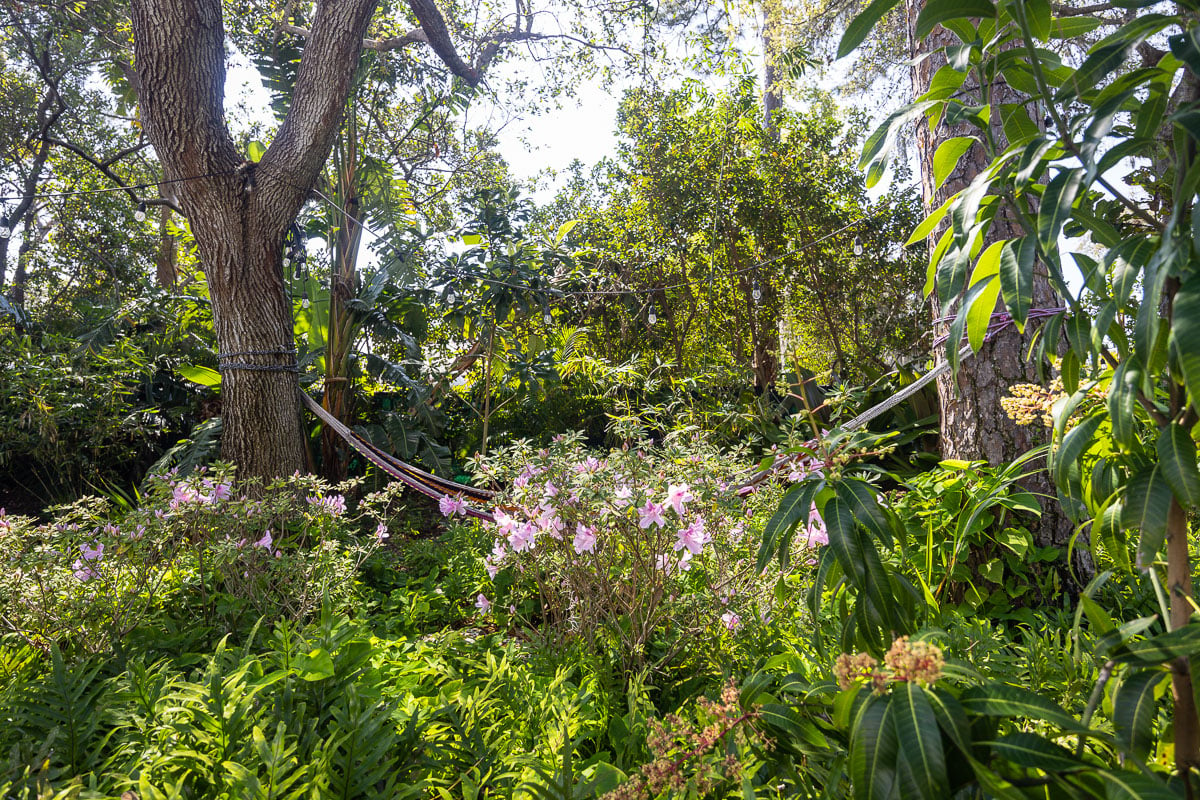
(331, 55)
(434, 25)
(105, 169)
(415, 36)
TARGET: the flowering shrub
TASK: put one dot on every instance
(905, 662)
(625, 545)
(89, 577)
(695, 759)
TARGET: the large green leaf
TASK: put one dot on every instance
(983, 304)
(1074, 445)
(1185, 335)
(1031, 750)
(937, 12)
(947, 156)
(1110, 53)
(1162, 648)
(1134, 711)
(1122, 785)
(1147, 498)
(1056, 205)
(1122, 401)
(1016, 277)
(1177, 458)
(794, 508)
(201, 375)
(873, 749)
(1005, 700)
(920, 743)
(860, 496)
(861, 26)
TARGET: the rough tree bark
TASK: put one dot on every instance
(973, 424)
(240, 211)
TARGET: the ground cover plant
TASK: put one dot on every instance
(731, 583)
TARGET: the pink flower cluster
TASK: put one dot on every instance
(334, 504)
(184, 493)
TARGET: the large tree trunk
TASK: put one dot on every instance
(973, 424)
(240, 211)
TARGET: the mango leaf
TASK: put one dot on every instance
(860, 497)
(1122, 785)
(1016, 278)
(929, 223)
(1031, 750)
(979, 315)
(1162, 648)
(861, 26)
(1147, 498)
(948, 154)
(201, 375)
(1135, 710)
(1122, 401)
(920, 743)
(794, 507)
(1177, 459)
(1074, 444)
(1185, 335)
(1055, 209)
(1110, 53)
(1005, 700)
(937, 12)
(873, 749)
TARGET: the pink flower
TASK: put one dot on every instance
(84, 571)
(138, 532)
(550, 490)
(585, 539)
(678, 495)
(817, 535)
(622, 496)
(450, 506)
(548, 522)
(266, 541)
(482, 603)
(651, 514)
(221, 491)
(181, 494)
(381, 533)
(731, 620)
(334, 504)
(504, 523)
(522, 538)
(92, 552)
(693, 537)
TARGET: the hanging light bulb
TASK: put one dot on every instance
(756, 293)
(546, 318)
(140, 213)
(652, 317)
(304, 301)
(858, 246)
(287, 260)
(451, 297)
(5, 227)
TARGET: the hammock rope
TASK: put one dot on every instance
(424, 482)
(438, 488)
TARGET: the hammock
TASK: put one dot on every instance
(424, 482)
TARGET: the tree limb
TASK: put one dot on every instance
(105, 169)
(415, 36)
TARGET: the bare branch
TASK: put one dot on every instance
(105, 168)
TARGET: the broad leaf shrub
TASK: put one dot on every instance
(640, 549)
(231, 552)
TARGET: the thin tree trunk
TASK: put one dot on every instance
(973, 424)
